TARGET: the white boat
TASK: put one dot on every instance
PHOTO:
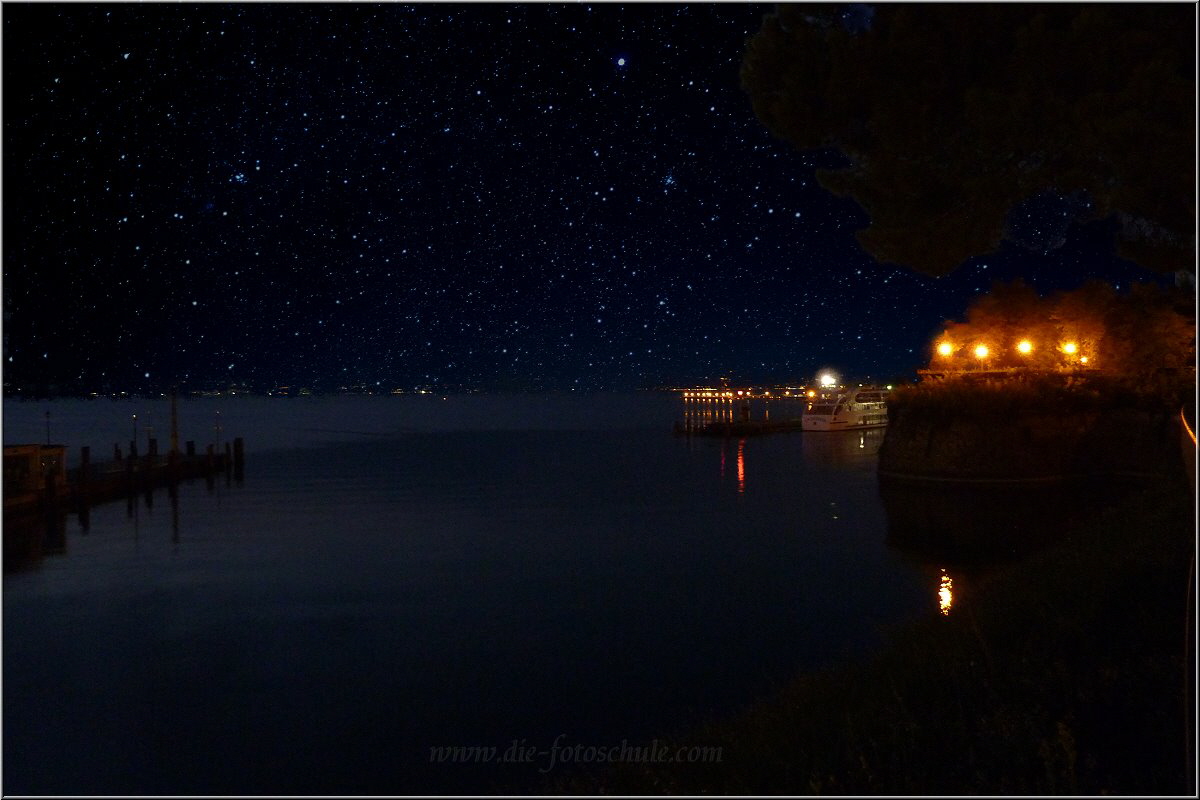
(850, 409)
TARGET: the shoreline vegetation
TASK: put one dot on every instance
(1066, 673)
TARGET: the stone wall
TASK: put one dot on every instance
(930, 443)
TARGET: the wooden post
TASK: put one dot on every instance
(191, 449)
(174, 425)
(85, 468)
(56, 532)
(228, 457)
(133, 448)
(117, 452)
(239, 459)
(152, 447)
(50, 492)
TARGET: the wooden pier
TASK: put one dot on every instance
(37, 482)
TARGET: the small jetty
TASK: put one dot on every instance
(37, 482)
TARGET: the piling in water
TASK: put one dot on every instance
(239, 459)
(85, 474)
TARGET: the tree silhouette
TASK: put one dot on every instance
(951, 115)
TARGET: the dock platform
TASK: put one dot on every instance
(40, 483)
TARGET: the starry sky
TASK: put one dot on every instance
(488, 196)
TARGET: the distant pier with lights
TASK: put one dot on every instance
(748, 411)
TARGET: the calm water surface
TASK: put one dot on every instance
(395, 575)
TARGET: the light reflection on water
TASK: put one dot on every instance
(317, 629)
(856, 449)
(741, 466)
(351, 605)
(945, 593)
(962, 534)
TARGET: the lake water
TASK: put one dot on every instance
(401, 573)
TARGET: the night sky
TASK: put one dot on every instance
(485, 196)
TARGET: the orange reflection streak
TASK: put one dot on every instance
(945, 594)
(741, 466)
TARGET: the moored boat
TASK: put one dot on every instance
(852, 409)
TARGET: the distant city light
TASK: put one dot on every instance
(981, 351)
(945, 349)
(828, 379)
(1070, 347)
(1025, 346)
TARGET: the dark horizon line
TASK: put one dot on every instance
(35, 393)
